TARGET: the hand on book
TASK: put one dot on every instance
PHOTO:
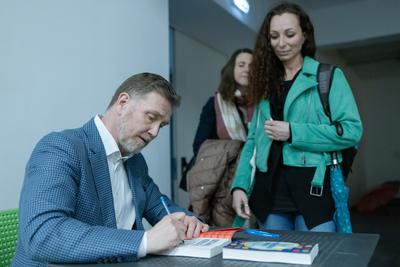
(167, 233)
(240, 204)
(194, 227)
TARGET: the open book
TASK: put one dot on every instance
(207, 245)
(270, 251)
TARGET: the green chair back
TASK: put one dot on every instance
(8, 235)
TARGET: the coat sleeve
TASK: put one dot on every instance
(323, 137)
(207, 128)
(48, 230)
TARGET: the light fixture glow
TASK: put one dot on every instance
(243, 5)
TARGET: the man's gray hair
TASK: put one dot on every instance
(144, 83)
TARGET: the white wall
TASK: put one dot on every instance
(197, 74)
(60, 63)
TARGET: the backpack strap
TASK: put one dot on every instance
(324, 79)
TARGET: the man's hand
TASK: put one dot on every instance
(167, 233)
(240, 203)
(277, 130)
(194, 227)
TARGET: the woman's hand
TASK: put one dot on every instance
(240, 204)
(277, 130)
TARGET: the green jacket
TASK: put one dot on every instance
(312, 135)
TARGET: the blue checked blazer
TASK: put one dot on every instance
(66, 211)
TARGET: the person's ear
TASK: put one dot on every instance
(122, 101)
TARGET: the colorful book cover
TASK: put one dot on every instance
(271, 251)
(288, 247)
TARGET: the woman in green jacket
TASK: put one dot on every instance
(290, 134)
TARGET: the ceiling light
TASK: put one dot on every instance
(243, 5)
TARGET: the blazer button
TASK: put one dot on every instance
(202, 187)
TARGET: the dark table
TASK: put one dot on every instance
(343, 250)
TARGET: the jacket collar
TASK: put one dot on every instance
(304, 81)
(101, 176)
(310, 66)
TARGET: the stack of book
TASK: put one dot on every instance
(208, 245)
(271, 251)
(215, 242)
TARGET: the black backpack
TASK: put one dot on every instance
(324, 78)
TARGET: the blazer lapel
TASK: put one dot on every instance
(101, 176)
(134, 174)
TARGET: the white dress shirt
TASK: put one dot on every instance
(124, 208)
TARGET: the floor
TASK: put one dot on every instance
(386, 222)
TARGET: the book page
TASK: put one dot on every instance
(201, 242)
(199, 247)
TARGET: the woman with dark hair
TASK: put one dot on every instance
(290, 138)
(220, 135)
(226, 115)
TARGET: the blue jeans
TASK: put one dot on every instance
(295, 221)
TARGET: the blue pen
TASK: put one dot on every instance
(164, 202)
(260, 233)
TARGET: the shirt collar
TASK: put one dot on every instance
(110, 146)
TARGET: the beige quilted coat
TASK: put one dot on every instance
(209, 181)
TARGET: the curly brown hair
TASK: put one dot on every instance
(267, 71)
(228, 85)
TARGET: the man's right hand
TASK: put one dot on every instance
(240, 204)
(167, 233)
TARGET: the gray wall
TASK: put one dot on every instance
(380, 109)
(60, 63)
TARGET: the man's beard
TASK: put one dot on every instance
(128, 145)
